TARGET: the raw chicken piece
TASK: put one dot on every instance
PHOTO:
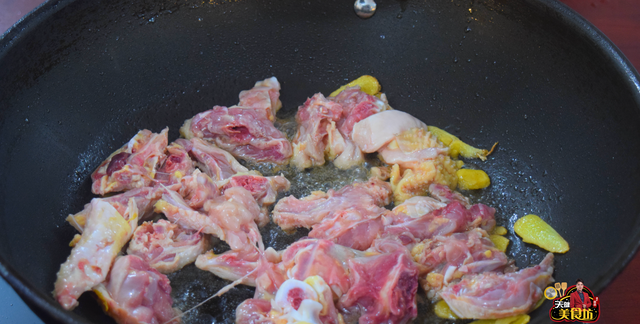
(356, 106)
(179, 212)
(407, 183)
(245, 132)
(254, 311)
(237, 213)
(447, 258)
(136, 293)
(411, 147)
(296, 301)
(177, 165)
(378, 130)
(497, 295)
(453, 218)
(231, 217)
(351, 228)
(446, 195)
(198, 188)
(315, 257)
(105, 233)
(133, 165)
(231, 265)
(165, 246)
(212, 160)
(304, 258)
(264, 95)
(144, 198)
(316, 120)
(383, 288)
(418, 206)
(367, 197)
(263, 189)
(419, 160)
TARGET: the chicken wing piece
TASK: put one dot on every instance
(105, 234)
(133, 165)
(144, 198)
(165, 246)
(136, 293)
(246, 132)
(177, 165)
(497, 295)
(264, 95)
(383, 288)
(316, 119)
(366, 197)
(212, 160)
(448, 258)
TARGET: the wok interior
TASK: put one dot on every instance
(81, 79)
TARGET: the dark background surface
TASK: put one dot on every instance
(617, 19)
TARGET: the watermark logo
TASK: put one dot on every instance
(575, 303)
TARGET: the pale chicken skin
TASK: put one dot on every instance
(245, 132)
(498, 295)
(137, 294)
(316, 119)
(368, 197)
(167, 247)
(105, 234)
(132, 166)
(379, 287)
(383, 288)
(264, 95)
(325, 126)
(445, 259)
(212, 160)
(144, 199)
(176, 165)
(231, 217)
(197, 188)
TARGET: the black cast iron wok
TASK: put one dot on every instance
(79, 78)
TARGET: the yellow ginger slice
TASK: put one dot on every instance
(472, 179)
(367, 83)
(442, 310)
(500, 242)
(536, 231)
(458, 147)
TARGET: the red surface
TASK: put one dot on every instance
(620, 21)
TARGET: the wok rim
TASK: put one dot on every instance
(43, 305)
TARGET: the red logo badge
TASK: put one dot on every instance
(577, 303)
